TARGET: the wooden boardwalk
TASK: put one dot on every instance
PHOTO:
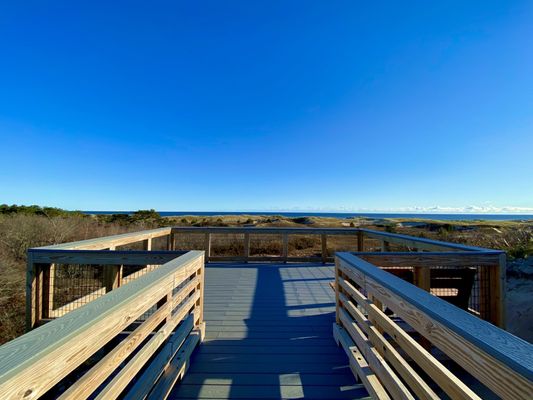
(269, 336)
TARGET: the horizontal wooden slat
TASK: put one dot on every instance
(452, 385)
(359, 365)
(114, 388)
(111, 241)
(377, 363)
(417, 243)
(177, 367)
(264, 230)
(409, 375)
(34, 362)
(104, 257)
(145, 383)
(267, 259)
(91, 380)
(495, 357)
(431, 259)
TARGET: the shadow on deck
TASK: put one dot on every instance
(269, 335)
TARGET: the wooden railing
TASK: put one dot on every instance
(99, 349)
(364, 238)
(113, 262)
(41, 285)
(385, 324)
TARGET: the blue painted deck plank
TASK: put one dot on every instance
(269, 336)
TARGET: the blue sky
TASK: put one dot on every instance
(267, 105)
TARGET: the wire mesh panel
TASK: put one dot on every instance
(341, 243)
(265, 245)
(70, 286)
(190, 241)
(226, 245)
(73, 285)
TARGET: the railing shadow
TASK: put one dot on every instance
(270, 336)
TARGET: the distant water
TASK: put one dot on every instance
(448, 217)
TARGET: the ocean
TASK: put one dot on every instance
(447, 217)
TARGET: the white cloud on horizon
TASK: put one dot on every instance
(472, 209)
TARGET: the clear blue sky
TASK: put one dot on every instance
(261, 105)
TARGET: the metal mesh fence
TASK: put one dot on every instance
(72, 285)
(465, 287)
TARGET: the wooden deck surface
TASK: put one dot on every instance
(269, 336)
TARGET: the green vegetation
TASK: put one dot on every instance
(36, 210)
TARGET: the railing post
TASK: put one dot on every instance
(207, 246)
(385, 246)
(285, 247)
(496, 291)
(171, 242)
(32, 296)
(147, 244)
(324, 240)
(423, 278)
(246, 246)
(360, 241)
(39, 291)
(337, 288)
(200, 301)
(111, 277)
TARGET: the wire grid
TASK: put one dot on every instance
(226, 244)
(190, 241)
(74, 285)
(464, 287)
(304, 245)
(265, 245)
(340, 243)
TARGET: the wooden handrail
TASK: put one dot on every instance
(103, 257)
(499, 360)
(111, 241)
(33, 363)
(416, 242)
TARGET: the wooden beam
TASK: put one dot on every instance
(151, 375)
(285, 247)
(111, 277)
(104, 257)
(451, 385)
(387, 350)
(92, 379)
(377, 363)
(177, 367)
(324, 240)
(264, 230)
(35, 362)
(207, 246)
(111, 241)
(114, 388)
(337, 290)
(419, 243)
(431, 259)
(423, 278)
(359, 365)
(507, 360)
(246, 246)
(31, 292)
(171, 242)
(360, 241)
